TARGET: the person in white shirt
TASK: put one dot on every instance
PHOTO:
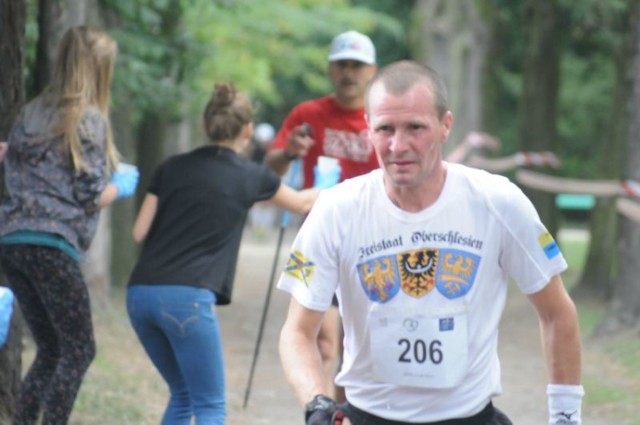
(419, 254)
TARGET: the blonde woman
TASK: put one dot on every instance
(59, 172)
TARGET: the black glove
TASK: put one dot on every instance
(323, 411)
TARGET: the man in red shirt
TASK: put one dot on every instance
(335, 126)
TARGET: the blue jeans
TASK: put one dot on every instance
(178, 329)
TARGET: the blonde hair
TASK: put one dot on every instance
(81, 79)
(226, 113)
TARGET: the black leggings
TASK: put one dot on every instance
(54, 300)
(488, 416)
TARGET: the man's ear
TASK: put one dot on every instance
(447, 123)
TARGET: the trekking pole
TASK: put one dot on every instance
(283, 224)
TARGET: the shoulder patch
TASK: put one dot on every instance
(548, 245)
(300, 267)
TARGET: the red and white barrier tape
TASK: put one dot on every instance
(631, 188)
(519, 159)
(554, 184)
(628, 191)
(538, 159)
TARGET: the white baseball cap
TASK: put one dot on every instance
(352, 45)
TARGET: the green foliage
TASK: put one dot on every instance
(153, 54)
(177, 49)
(503, 83)
(591, 30)
(585, 102)
(280, 53)
(594, 33)
(391, 40)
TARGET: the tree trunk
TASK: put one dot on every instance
(624, 308)
(97, 266)
(54, 18)
(123, 249)
(11, 367)
(12, 39)
(598, 271)
(599, 274)
(540, 92)
(453, 38)
(152, 133)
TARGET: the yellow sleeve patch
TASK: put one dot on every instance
(300, 267)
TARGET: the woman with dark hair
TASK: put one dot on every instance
(191, 222)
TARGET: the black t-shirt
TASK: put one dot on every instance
(203, 200)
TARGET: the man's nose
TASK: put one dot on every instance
(399, 142)
(348, 70)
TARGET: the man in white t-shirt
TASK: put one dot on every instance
(419, 254)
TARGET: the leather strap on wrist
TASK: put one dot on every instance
(319, 402)
(288, 155)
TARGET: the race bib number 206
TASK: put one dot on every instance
(419, 350)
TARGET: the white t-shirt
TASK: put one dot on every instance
(421, 294)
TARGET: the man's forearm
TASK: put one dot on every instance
(278, 160)
(302, 364)
(563, 348)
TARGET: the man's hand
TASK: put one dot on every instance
(299, 141)
(323, 410)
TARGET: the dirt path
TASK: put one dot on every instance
(271, 400)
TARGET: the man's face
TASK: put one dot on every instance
(407, 134)
(349, 78)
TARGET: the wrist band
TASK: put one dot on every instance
(565, 404)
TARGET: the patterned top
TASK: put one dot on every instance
(43, 191)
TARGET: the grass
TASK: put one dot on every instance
(121, 387)
(614, 384)
(611, 370)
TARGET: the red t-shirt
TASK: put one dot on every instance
(338, 132)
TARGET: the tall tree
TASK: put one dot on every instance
(599, 273)
(624, 307)
(12, 45)
(452, 37)
(541, 71)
